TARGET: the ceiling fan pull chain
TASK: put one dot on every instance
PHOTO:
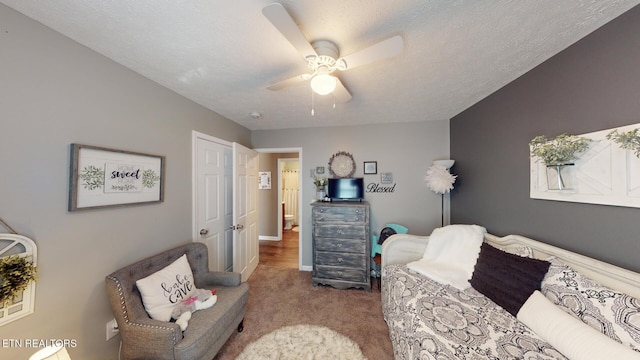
(312, 104)
(334, 100)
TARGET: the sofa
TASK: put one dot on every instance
(146, 338)
(581, 308)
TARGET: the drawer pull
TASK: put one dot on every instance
(340, 260)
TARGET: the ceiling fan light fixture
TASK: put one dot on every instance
(323, 84)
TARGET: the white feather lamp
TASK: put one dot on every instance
(51, 352)
(440, 180)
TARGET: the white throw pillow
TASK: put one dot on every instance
(164, 289)
(611, 312)
(573, 338)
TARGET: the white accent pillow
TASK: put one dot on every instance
(573, 338)
(611, 312)
(164, 289)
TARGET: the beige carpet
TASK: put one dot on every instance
(302, 342)
(280, 297)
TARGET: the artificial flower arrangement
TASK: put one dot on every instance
(16, 272)
(561, 150)
(319, 182)
(629, 140)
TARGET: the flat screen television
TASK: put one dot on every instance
(346, 189)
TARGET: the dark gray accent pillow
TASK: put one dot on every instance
(507, 279)
(385, 233)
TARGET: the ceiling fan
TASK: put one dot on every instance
(323, 55)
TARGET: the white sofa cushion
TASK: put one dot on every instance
(573, 338)
(164, 289)
(611, 312)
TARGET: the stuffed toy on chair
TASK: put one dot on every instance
(199, 300)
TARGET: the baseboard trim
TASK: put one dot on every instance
(269, 238)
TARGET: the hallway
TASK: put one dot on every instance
(283, 254)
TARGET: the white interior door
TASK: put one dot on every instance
(245, 211)
(213, 205)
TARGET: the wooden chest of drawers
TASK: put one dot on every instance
(341, 245)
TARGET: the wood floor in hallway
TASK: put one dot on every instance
(283, 253)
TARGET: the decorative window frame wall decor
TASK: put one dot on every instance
(605, 174)
(101, 177)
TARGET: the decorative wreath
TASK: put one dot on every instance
(342, 165)
(16, 272)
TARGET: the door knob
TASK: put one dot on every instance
(239, 226)
(204, 232)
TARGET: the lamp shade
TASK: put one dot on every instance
(323, 84)
(51, 352)
(447, 164)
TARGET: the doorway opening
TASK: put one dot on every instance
(225, 213)
(279, 222)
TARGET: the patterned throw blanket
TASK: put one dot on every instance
(428, 320)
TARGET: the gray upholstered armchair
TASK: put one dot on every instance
(146, 338)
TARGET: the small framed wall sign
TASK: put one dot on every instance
(386, 178)
(100, 177)
(370, 167)
(265, 180)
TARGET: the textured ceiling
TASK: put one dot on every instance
(223, 54)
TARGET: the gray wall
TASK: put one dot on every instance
(55, 92)
(405, 149)
(593, 85)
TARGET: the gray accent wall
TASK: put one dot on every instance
(593, 85)
(54, 92)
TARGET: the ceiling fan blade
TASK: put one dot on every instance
(281, 19)
(341, 93)
(385, 49)
(288, 82)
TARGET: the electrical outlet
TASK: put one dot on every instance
(112, 329)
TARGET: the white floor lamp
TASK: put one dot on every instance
(440, 180)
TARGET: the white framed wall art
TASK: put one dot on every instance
(605, 174)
